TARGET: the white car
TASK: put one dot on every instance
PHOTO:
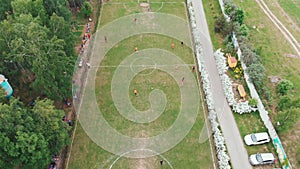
(257, 138)
(261, 158)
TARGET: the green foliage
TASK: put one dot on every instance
(238, 16)
(243, 30)
(284, 103)
(287, 118)
(75, 3)
(253, 102)
(229, 48)
(223, 27)
(86, 9)
(284, 86)
(5, 8)
(3, 98)
(228, 8)
(57, 6)
(30, 47)
(256, 73)
(287, 102)
(249, 56)
(29, 137)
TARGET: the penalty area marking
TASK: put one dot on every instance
(122, 155)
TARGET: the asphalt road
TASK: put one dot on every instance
(234, 142)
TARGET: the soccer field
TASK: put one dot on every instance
(141, 106)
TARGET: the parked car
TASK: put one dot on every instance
(261, 158)
(256, 138)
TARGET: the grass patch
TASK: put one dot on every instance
(292, 7)
(189, 153)
(114, 11)
(273, 48)
(212, 11)
(288, 13)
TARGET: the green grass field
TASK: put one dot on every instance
(292, 8)
(188, 153)
(288, 12)
(274, 49)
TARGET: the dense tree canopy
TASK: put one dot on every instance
(5, 8)
(32, 43)
(28, 137)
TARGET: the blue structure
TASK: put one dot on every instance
(6, 86)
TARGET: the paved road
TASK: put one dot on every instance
(234, 142)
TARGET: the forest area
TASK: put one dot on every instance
(37, 56)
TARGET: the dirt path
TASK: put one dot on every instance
(286, 33)
(286, 16)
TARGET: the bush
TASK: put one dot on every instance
(284, 103)
(287, 118)
(253, 102)
(284, 86)
(86, 9)
(256, 73)
(243, 30)
(222, 26)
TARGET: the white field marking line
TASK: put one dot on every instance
(202, 97)
(161, 6)
(74, 132)
(281, 27)
(156, 65)
(140, 150)
(121, 3)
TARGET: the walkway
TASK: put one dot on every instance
(234, 142)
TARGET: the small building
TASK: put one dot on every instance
(232, 62)
(6, 86)
(241, 91)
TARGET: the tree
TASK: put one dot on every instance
(256, 73)
(287, 118)
(49, 122)
(222, 26)
(284, 103)
(34, 50)
(21, 145)
(3, 98)
(238, 15)
(75, 3)
(284, 86)
(5, 8)
(229, 7)
(86, 9)
(59, 7)
(28, 137)
(243, 30)
(249, 57)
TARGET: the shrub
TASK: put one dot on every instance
(221, 26)
(256, 73)
(86, 9)
(284, 103)
(284, 86)
(253, 102)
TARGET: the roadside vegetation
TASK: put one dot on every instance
(264, 52)
(37, 57)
